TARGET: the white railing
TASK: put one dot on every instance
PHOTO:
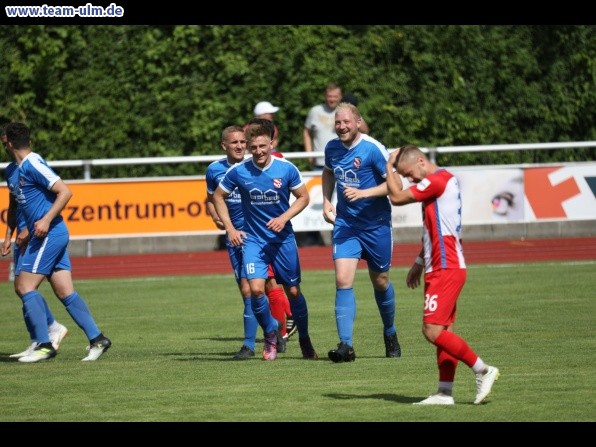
(432, 151)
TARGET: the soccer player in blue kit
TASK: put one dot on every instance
(16, 222)
(361, 227)
(41, 195)
(265, 184)
(234, 145)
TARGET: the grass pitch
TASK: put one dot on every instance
(174, 338)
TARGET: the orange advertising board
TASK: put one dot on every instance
(128, 208)
(171, 206)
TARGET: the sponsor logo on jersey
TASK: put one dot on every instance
(423, 184)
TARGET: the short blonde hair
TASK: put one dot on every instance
(351, 107)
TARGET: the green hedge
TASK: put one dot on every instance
(130, 91)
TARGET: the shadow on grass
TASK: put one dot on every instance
(383, 396)
(228, 356)
(4, 358)
(238, 339)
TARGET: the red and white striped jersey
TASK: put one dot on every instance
(441, 215)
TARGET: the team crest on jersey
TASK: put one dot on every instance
(277, 183)
(423, 184)
(357, 162)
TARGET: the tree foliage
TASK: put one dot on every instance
(131, 91)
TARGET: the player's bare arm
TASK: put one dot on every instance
(11, 224)
(235, 237)
(328, 186)
(415, 272)
(397, 195)
(63, 195)
(22, 239)
(302, 200)
(354, 194)
(7, 243)
(211, 211)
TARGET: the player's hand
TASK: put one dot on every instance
(329, 216)
(41, 228)
(22, 239)
(6, 247)
(236, 237)
(276, 224)
(413, 276)
(353, 194)
(393, 158)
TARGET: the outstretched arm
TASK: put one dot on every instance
(354, 194)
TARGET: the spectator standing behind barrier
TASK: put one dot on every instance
(265, 184)
(266, 110)
(319, 126)
(16, 222)
(42, 195)
(355, 163)
(442, 259)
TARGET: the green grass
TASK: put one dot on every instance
(173, 339)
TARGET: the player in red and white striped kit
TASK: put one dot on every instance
(442, 259)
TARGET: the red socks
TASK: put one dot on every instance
(278, 302)
(456, 346)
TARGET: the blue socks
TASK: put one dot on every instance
(262, 312)
(49, 318)
(79, 312)
(386, 304)
(34, 312)
(345, 314)
(300, 313)
(250, 324)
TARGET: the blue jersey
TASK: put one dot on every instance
(11, 174)
(33, 192)
(265, 195)
(361, 166)
(215, 173)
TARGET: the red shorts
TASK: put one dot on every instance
(270, 273)
(441, 291)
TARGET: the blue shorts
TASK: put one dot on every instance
(374, 246)
(282, 256)
(16, 255)
(16, 252)
(235, 254)
(45, 256)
